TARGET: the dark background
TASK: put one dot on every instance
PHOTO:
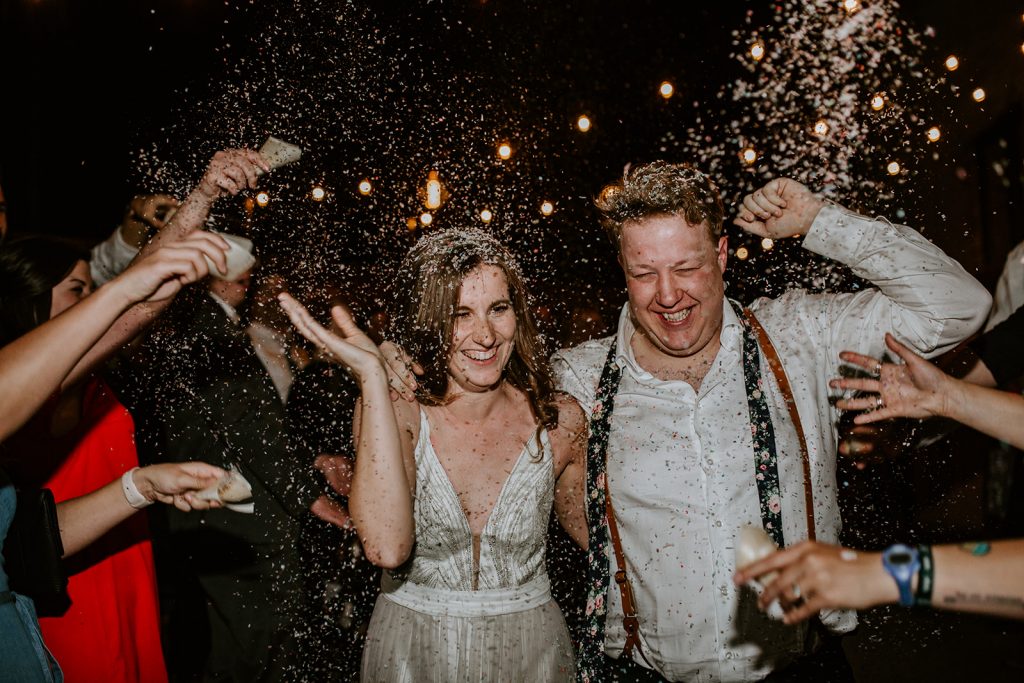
(86, 86)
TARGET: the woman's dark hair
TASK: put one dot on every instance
(30, 267)
(426, 296)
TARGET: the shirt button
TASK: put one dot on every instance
(718, 524)
(724, 590)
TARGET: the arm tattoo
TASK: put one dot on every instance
(1006, 602)
(977, 549)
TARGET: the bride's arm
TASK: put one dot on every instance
(569, 445)
(380, 503)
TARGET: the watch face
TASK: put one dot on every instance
(901, 558)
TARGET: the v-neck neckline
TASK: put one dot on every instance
(425, 429)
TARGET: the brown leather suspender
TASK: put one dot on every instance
(630, 622)
(772, 356)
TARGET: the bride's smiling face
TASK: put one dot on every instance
(484, 329)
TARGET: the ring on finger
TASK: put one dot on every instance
(878, 368)
(879, 403)
(796, 591)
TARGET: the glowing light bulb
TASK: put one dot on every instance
(893, 168)
(262, 198)
(547, 208)
(952, 63)
(318, 193)
(426, 218)
(757, 51)
(933, 134)
(666, 89)
(878, 102)
(748, 155)
(486, 215)
(504, 150)
(978, 95)
(742, 253)
(767, 243)
(851, 6)
(821, 128)
(433, 191)
(583, 123)
(365, 187)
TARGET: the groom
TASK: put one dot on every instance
(691, 436)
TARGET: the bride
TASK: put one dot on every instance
(452, 494)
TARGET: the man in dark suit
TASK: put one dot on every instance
(218, 402)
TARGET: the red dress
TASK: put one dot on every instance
(111, 632)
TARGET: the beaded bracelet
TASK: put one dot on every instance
(131, 491)
(925, 577)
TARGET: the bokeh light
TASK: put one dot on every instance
(748, 155)
(486, 215)
(666, 89)
(504, 150)
(742, 253)
(426, 218)
(933, 134)
(547, 208)
(365, 187)
(757, 51)
(262, 198)
(952, 63)
(893, 168)
(318, 193)
(767, 243)
(583, 123)
(978, 95)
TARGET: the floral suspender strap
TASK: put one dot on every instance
(772, 357)
(590, 661)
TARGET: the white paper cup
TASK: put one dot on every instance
(239, 256)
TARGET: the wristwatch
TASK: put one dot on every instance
(902, 562)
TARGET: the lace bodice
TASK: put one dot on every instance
(513, 541)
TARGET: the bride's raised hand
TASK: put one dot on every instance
(352, 347)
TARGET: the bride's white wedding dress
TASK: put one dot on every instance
(430, 624)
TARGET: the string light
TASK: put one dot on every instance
(821, 128)
(411, 223)
(978, 94)
(767, 243)
(933, 134)
(893, 168)
(583, 123)
(757, 51)
(426, 218)
(547, 208)
(433, 192)
(878, 101)
(262, 198)
(748, 155)
(666, 89)
(952, 63)
(504, 150)
(851, 6)
(1022, 47)
(742, 253)
(365, 187)
(486, 215)
(318, 193)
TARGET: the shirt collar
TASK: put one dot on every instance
(730, 337)
(228, 308)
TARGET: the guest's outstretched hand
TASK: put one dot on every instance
(782, 208)
(352, 347)
(178, 483)
(161, 274)
(916, 389)
(816, 576)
